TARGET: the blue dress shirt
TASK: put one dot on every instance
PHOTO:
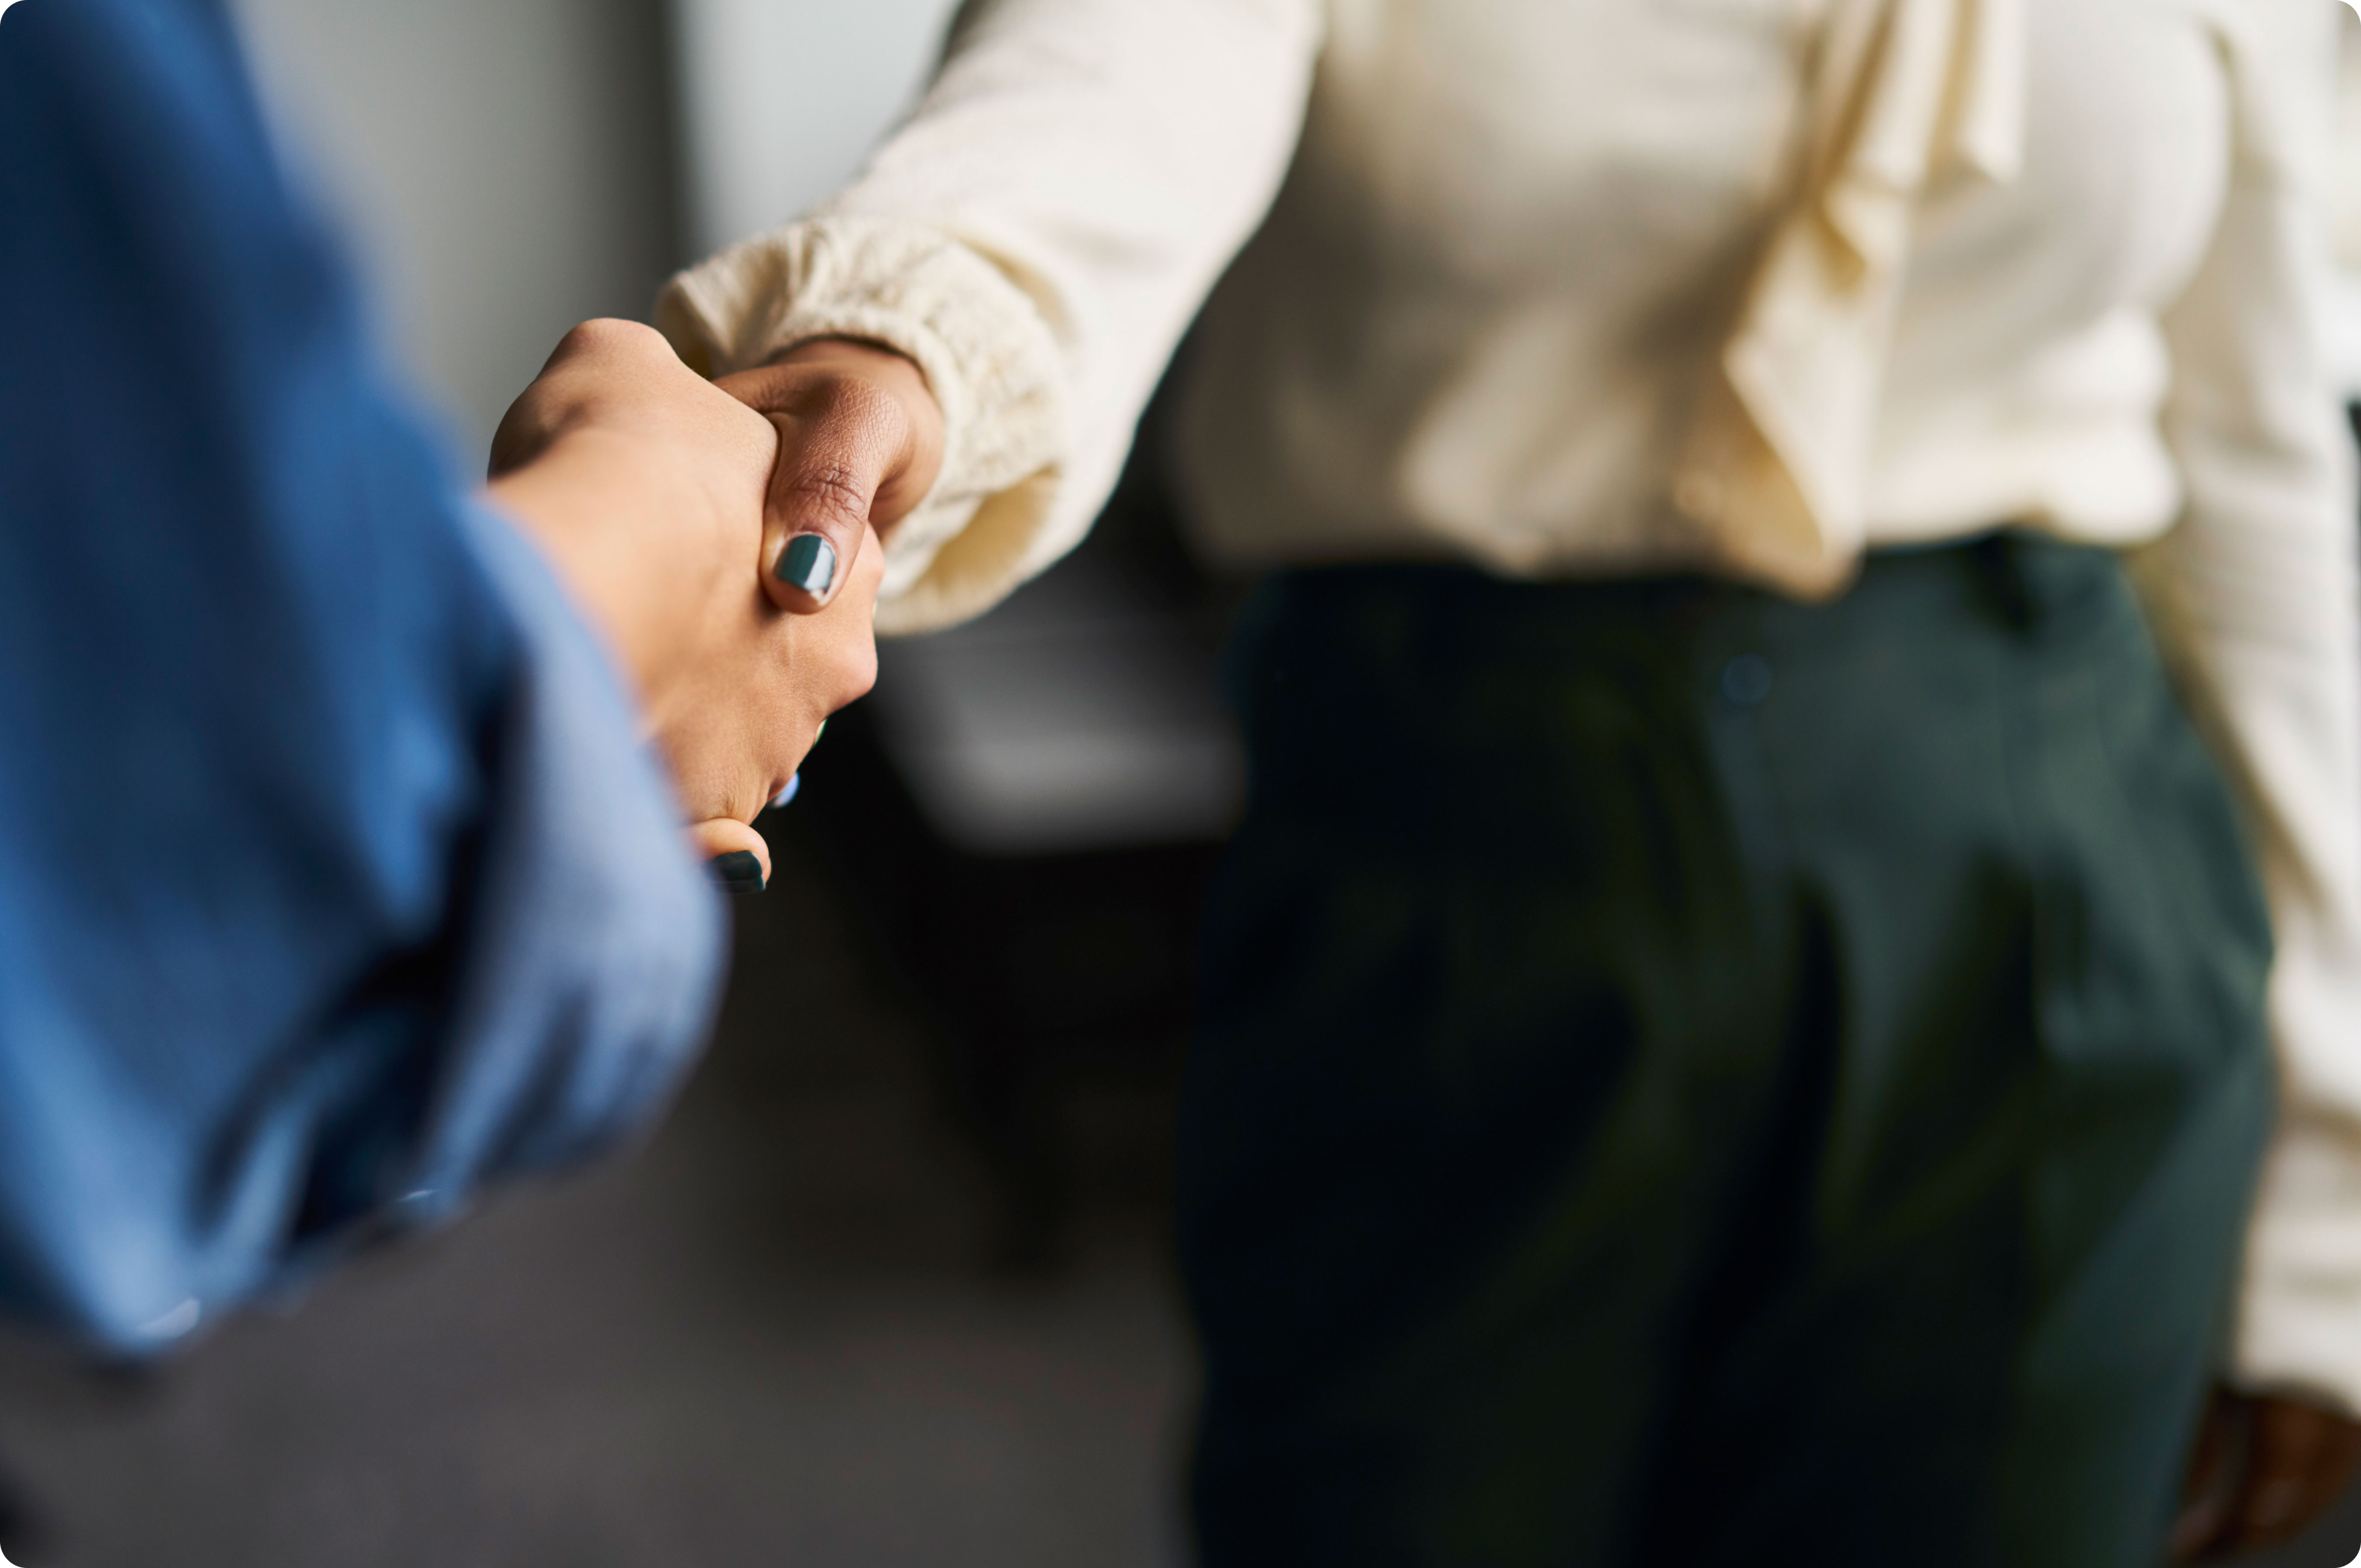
(333, 881)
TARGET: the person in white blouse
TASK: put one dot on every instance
(1739, 1025)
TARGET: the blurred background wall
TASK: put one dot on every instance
(511, 167)
(506, 168)
(767, 128)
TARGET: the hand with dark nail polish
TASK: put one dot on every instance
(651, 490)
(861, 440)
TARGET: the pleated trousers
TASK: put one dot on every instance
(1688, 1078)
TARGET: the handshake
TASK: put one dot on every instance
(724, 537)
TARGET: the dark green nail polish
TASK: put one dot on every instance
(740, 870)
(809, 562)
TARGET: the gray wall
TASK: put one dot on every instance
(785, 98)
(505, 168)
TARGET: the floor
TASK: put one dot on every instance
(775, 1335)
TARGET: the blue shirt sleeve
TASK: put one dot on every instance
(333, 881)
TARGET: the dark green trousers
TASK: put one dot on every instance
(1692, 1078)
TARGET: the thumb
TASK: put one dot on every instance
(835, 453)
(860, 442)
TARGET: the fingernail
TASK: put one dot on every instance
(809, 562)
(740, 870)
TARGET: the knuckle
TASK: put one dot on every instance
(855, 400)
(869, 415)
(845, 411)
(610, 334)
(830, 492)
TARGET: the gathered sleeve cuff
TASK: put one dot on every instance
(1036, 238)
(985, 351)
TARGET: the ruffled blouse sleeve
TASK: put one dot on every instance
(1036, 238)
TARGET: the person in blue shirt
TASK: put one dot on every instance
(340, 869)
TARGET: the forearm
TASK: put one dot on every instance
(414, 911)
(1035, 240)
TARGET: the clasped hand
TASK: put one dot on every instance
(671, 507)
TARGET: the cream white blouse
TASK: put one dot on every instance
(1566, 289)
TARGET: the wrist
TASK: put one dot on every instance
(862, 354)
